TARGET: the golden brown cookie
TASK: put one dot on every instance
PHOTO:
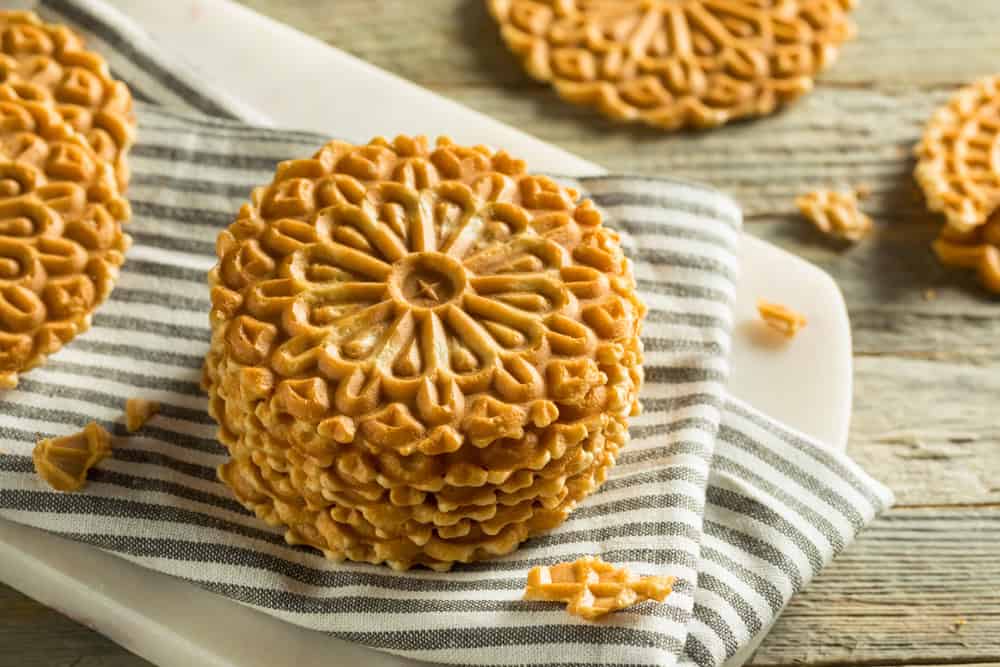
(836, 214)
(137, 412)
(592, 588)
(675, 63)
(959, 156)
(64, 462)
(61, 239)
(420, 354)
(978, 250)
(49, 63)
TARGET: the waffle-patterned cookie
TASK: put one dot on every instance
(978, 250)
(64, 462)
(592, 588)
(61, 239)
(420, 354)
(959, 157)
(675, 63)
(49, 63)
(836, 214)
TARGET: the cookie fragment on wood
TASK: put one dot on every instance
(781, 318)
(977, 249)
(138, 411)
(983, 258)
(64, 462)
(592, 588)
(836, 214)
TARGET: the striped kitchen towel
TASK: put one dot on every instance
(743, 511)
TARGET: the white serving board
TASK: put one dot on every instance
(273, 70)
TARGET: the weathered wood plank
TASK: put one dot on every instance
(446, 43)
(899, 595)
(929, 429)
(832, 137)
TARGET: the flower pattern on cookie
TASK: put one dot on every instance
(676, 63)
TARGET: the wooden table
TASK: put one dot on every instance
(922, 586)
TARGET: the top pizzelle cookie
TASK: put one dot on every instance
(959, 157)
(441, 273)
(676, 63)
(48, 63)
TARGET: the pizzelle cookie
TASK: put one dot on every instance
(421, 355)
(676, 63)
(978, 250)
(49, 63)
(958, 164)
(958, 169)
(61, 239)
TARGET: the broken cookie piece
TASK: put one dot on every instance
(64, 462)
(592, 588)
(835, 214)
(138, 411)
(984, 258)
(781, 318)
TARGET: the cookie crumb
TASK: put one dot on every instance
(984, 258)
(8, 381)
(956, 627)
(592, 588)
(930, 295)
(836, 214)
(862, 191)
(781, 318)
(138, 411)
(64, 462)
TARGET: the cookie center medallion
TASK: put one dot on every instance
(427, 280)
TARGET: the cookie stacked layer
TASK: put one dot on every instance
(959, 171)
(420, 355)
(65, 130)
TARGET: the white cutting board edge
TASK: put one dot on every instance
(805, 383)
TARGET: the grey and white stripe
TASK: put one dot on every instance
(741, 510)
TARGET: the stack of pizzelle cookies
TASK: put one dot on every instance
(421, 354)
(65, 131)
(959, 171)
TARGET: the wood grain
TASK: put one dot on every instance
(927, 371)
(919, 586)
